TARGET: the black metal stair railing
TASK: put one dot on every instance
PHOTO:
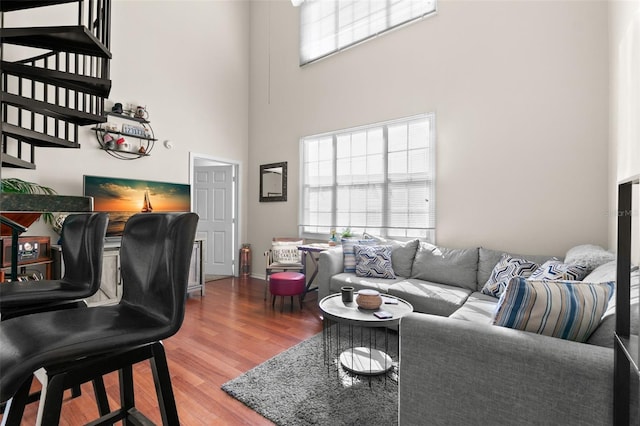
(47, 97)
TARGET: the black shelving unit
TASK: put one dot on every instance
(626, 347)
(147, 142)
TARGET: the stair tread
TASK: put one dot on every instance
(36, 138)
(16, 163)
(71, 115)
(11, 5)
(86, 84)
(74, 38)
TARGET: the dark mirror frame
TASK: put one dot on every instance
(264, 169)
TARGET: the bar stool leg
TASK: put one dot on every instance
(101, 396)
(53, 400)
(14, 409)
(76, 391)
(127, 395)
(164, 390)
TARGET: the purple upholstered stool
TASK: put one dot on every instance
(287, 284)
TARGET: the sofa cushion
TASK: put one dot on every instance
(478, 307)
(569, 310)
(456, 267)
(603, 335)
(507, 268)
(349, 254)
(589, 255)
(373, 261)
(359, 283)
(488, 258)
(556, 270)
(429, 297)
(402, 255)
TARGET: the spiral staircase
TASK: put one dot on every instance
(56, 81)
(46, 97)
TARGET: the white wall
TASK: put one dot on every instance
(188, 62)
(520, 89)
(624, 48)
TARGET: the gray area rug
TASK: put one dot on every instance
(297, 387)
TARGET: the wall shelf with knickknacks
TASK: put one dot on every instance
(126, 137)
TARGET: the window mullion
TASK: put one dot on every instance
(386, 220)
(387, 12)
(334, 191)
(336, 25)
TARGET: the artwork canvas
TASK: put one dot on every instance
(122, 198)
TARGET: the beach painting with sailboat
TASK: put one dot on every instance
(123, 197)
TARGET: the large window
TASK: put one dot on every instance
(328, 26)
(377, 179)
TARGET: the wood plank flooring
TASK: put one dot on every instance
(227, 332)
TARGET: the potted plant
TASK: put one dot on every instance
(346, 233)
(19, 186)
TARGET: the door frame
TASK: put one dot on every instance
(237, 228)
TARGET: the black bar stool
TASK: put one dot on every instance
(82, 248)
(77, 345)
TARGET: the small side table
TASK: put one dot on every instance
(366, 359)
(310, 251)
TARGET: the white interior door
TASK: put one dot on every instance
(213, 188)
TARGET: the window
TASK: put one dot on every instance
(377, 179)
(328, 26)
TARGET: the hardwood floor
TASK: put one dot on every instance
(227, 332)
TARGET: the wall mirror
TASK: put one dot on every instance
(273, 182)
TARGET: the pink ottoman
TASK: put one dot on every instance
(287, 284)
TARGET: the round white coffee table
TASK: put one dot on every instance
(366, 359)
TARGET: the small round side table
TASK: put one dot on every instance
(365, 359)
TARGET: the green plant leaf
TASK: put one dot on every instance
(19, 186)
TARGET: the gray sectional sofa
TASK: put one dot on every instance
(456, 368)
(439, 283)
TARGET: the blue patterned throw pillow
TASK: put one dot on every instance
(507, 268)
(348, 253)
(569, 310)
(556, 270)
(373, 261)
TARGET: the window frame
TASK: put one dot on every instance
(386, 211)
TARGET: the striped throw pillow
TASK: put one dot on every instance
(348, 253)
(569, 310)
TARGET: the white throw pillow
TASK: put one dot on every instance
(589, 255)
(286, 252)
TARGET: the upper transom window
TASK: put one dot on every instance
(328, 26)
